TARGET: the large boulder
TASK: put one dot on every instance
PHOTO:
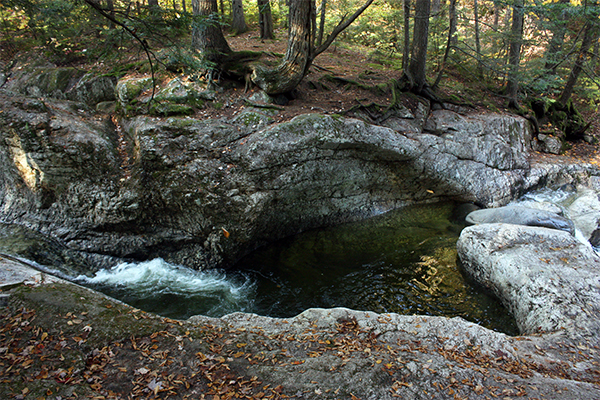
(547, 279)
(63, 83)
(519, 215)
(205, 192)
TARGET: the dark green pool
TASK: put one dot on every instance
(403, 261)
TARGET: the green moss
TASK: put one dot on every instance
(58, 79)
(170, 109)
(111, 320)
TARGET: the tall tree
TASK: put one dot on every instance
(265, 19)
(406, 54)
(207, 36)
(301, 49)
(590, 35)
(238, 20)
(514, 54)
(477, 40)
(415, 75)
(558, 20)
(322, 22)
(451, 32)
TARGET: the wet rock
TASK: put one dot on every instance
(585, 212)
(520, 215)
(545, 277)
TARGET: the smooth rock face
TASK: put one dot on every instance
(172, 187)
(546, 278)
(585, 212)
(519, 215)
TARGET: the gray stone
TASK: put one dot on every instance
(585, 212)
(519, 215)
(167, 187)
(106, 107)
(92, 89)
(549, 144)
(540, 205)
(547, 279)
(129, 89)
(180, 91)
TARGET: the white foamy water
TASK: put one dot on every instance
(546, 195)
(211, 292)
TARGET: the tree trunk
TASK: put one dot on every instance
(292, 69)
(496, 15)
(322, 22)
(589, 36)
(238, 21)
(265, 19)
(416, 68)
(301, 50)
(406, 54)
(153, 4)
(183, 6)
(436, 7)
(477, 40)
(514, 55)
(110, 8)
(451, 31)
(557, 39)
(207, 36)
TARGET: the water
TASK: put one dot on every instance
(404, 261)
(174, 291)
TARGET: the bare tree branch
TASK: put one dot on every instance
(142, 42)
(339, 28)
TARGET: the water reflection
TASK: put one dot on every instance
(404, 261)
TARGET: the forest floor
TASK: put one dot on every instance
(344, 76)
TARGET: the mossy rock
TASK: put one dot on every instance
(564, 117)
(170, 109)
(52, 82)
(178, 91)
(129, 89)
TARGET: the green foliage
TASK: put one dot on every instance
(71, 30)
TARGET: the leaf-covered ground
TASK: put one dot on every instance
(60, 341)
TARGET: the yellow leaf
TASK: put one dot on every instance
(225, 232)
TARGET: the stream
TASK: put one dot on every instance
(403, 261)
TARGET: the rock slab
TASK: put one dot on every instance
(548, 280)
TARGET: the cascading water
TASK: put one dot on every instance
(174, 291)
